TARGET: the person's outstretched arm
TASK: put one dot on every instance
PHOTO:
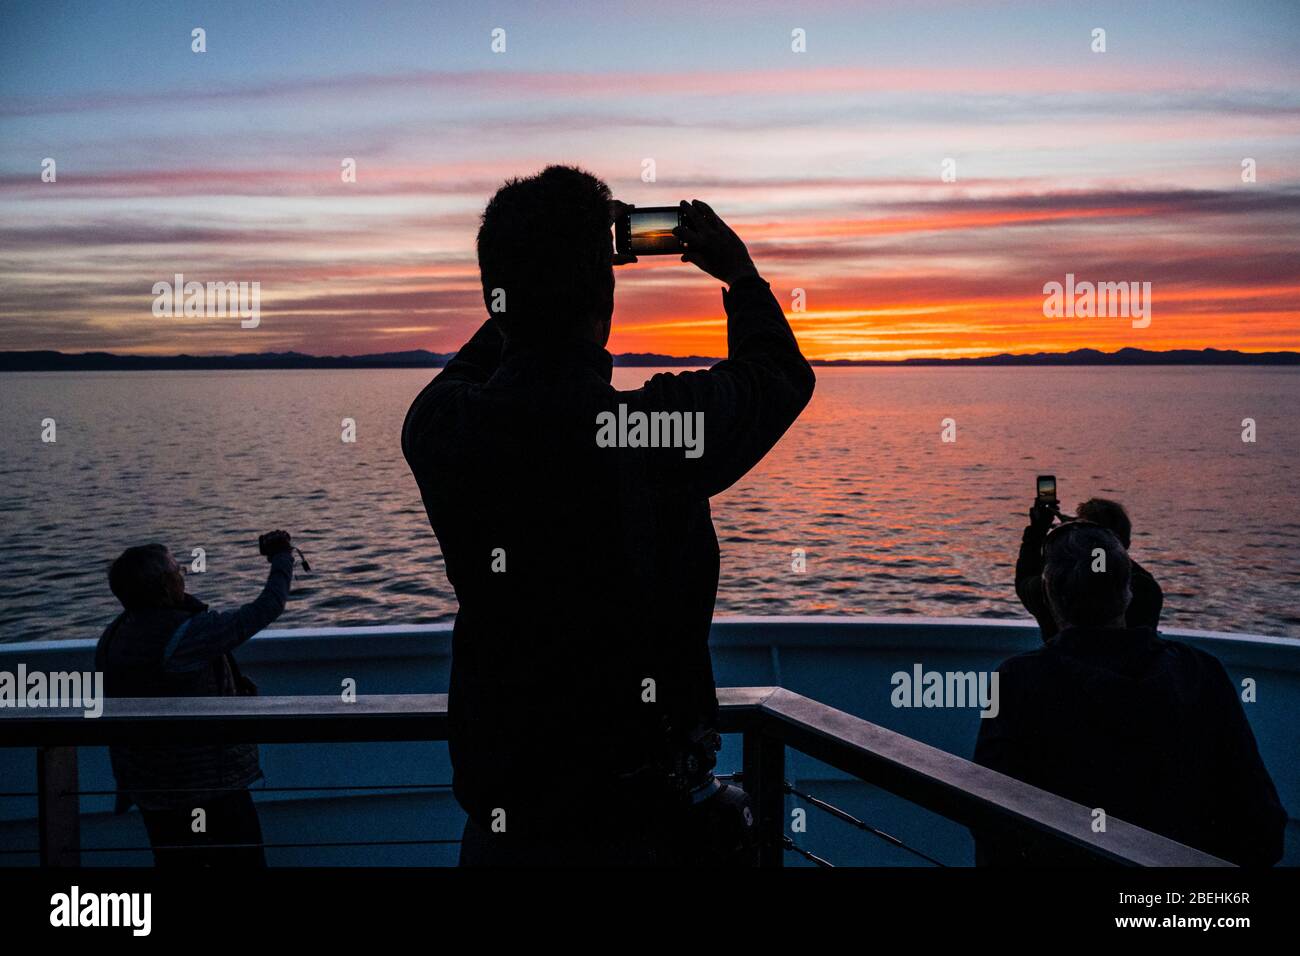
(209, 634)
(474, 364)
(1029, 569)
(748, 400)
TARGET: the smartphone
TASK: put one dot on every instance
(648, 231)
(1047, 488)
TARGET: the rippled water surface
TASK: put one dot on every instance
(892, 519)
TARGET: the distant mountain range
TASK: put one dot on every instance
(421, 358)
(1094, 357)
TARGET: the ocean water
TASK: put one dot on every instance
(892, 519)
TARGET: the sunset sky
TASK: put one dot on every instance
(1116, 166)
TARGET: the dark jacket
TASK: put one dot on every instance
(1143, 611)
(185, 652)
(610, 558)
(1150, 731)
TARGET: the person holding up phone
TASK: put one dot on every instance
(1114, 716)
(583, 712)
(1148, 598)
(167, 643)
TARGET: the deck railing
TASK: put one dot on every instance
(770, 720)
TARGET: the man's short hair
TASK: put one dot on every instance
(139, 576)
(545, 241)
(1079, 595)
(1108, 514)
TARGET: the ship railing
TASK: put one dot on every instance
(771, 720)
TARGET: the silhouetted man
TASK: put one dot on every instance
(166, 643)
(574, 521)
(1116, 718)
(1148, 599)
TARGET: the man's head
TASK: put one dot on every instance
(147, 576)
(545, 244)
(1110, 515)
(1086, 575)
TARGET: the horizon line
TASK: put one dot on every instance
(1125, 355)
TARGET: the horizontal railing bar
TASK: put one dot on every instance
(741, 708)
(339, 787)
(934, 779)
(268, 720)
(268, 846)
(959, 789)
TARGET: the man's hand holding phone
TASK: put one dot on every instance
(712, 245)
(1042, 513)
(619, 211)
(1046, 507)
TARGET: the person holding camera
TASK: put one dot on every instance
(167, 643)
(583, 712)
(1124, 722)
(1148, 598)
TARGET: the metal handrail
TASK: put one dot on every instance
(769, 718)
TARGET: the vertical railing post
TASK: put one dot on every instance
(58, 806)
(764, 779)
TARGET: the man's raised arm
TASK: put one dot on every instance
(209, 634)
(746, 402)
